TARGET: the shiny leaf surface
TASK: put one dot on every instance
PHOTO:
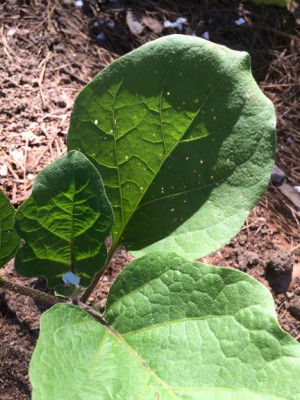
(64, 222)
(181, 134)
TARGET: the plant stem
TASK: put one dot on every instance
(37, 295)
(96, 315)
(88, 291)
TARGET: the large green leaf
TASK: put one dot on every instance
(9, 240)
(64, 222)
(180, 133)
(178, 330)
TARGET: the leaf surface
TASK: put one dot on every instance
(64, 222)
(9, 240)
(179, 131)
(178, 330)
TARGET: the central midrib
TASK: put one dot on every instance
(72, 256)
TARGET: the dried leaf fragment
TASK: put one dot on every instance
(134, 22)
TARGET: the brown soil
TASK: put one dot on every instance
(51, 49)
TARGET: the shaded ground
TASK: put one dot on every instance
(51, 49)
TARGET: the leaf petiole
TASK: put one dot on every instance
(37, 295)
(88, 291)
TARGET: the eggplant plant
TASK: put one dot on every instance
(169, 148)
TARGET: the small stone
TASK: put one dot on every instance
(243, 239)
(277, 177)
(294, 307)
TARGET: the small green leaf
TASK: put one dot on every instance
(180, 133)
(9, 240)
(64, 222)
(178, 330)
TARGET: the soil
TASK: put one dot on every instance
(50, 50)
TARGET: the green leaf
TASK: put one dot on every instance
(178, 330)
(9, 240)
(180, 133)
(64, 222)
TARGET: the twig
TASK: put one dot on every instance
(11, 170)
(75, 77)
(293, 249)
(58, 150)
(25, 162)
(49, 144)
(88, 291)
(7, 49)
(247, 227)
(14, 193)
(43, 64)
(258, 229)
(275, 31)
(293, 214)
(279, 85)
